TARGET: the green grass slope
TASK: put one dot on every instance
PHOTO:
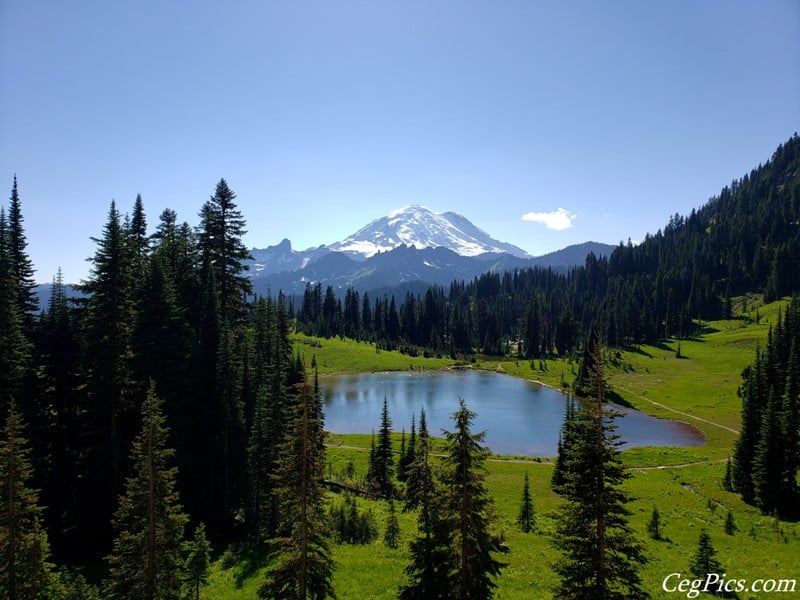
(683, 483)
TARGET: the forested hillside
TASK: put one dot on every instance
(746, 239)
(166, 317)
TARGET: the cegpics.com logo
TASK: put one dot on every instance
(714, 583)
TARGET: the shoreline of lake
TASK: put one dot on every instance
(521, 416)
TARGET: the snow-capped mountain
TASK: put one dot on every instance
(409, 246)
(419, 227)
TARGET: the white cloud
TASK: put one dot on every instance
(559, 219)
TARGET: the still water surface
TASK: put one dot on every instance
(520, 417)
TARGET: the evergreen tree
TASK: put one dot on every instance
(58, 368)
(790, 414)
(21, 265)
(727, 480)
(730, 524)
(432, 566)
(14, 347)
(705, 560)
(526, 518)
(222, 227)
(391, 536)
(146, 557)
(768, 463)
(138, 242)
(753, 393)
(111, 388)
(469, 509)
(601, 555)
(383, 461)
(401, 461)
(303, 566)
(231, 427)
(24, 570)
(565, 438)
(197, 565)
(654, 525)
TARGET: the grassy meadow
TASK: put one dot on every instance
(684, 484)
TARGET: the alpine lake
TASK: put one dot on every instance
(519, 417)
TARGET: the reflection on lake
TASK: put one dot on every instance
(520, 417)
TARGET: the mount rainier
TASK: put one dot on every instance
(411, 245)
(419, 227)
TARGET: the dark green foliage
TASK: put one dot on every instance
(391, 536)
(432, 566)
(526, 520)
(220, 241)
(146, 557)
(303, 566)
(727, 480)
(24, 570)
(767, 453)
(14, 347)
(111, 388)
(654, 525)
(469, 509)
(21, 265)
(73, 586)
(197, 565)
(351, 525)
(565, 439)
(768, 464)
(705, 560)
(730, 524)
(60, 419)
(601, 557)
(382, 459)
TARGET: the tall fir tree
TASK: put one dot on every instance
(565, 439)
(526, 520)
(383, 461)
(754, 395)
(768, 461)
(790, 420)
(24, 570)
(60, 381)
(391, 536)
(222, 227)
(21, 265)
(138, 241)
(197, 566)
(470, 509)
(303, 566)
(112, 391)
(601, 555)
(145, 560)
(705, 562)
(14, 347)
(431, 570)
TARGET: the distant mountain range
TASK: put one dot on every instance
(409, 246)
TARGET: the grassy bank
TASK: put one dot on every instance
(697, 385)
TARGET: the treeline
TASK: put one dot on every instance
(767, 453)
(166, 316)
(746, 239)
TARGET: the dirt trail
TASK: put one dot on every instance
(548, 463)
(679, 412)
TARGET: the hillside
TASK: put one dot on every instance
(684, 484)
(747, 239)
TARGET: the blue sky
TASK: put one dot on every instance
(595, 119)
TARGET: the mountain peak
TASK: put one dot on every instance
(419, 227)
